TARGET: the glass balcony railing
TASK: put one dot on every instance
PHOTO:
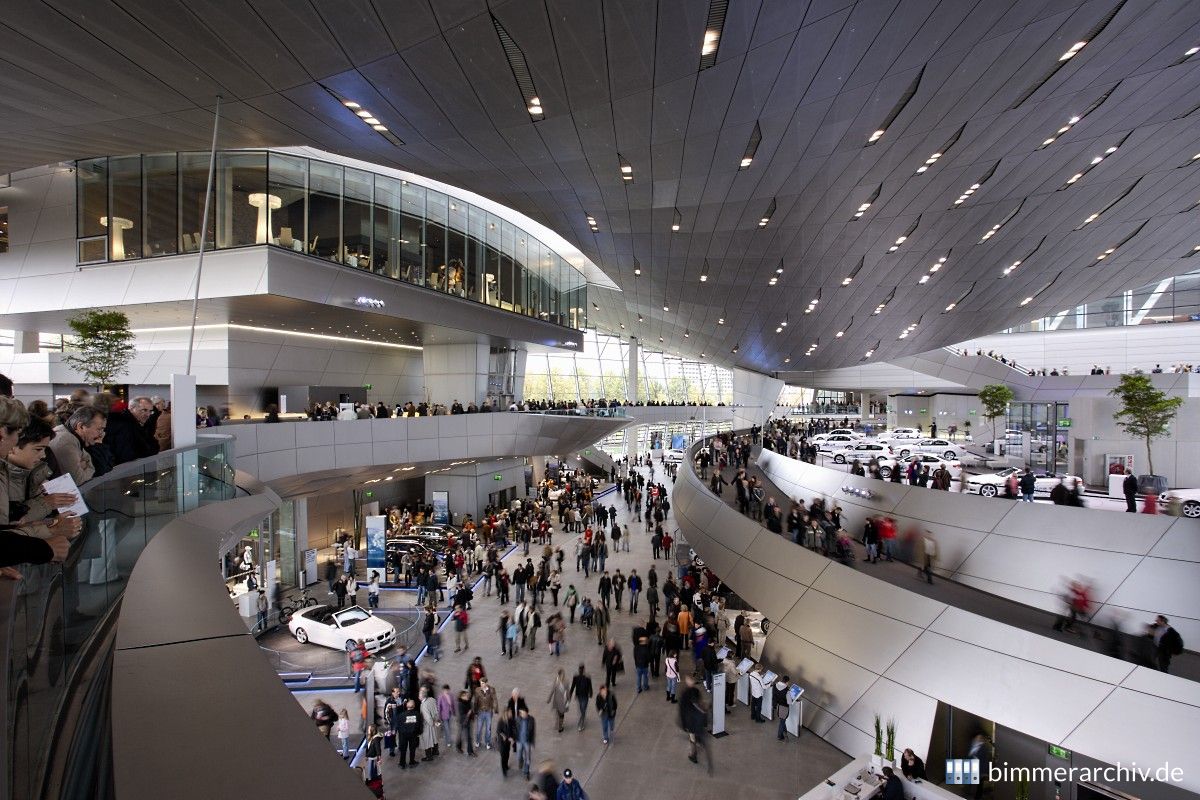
(145, 206)
(58, 625)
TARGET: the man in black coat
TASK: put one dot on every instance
(408, 733)
(1129, 486)
(127, 436)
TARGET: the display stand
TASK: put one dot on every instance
(743, 684)
(795, 717)
(768, 703)
(718, 705)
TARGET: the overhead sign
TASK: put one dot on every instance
(1064, 423)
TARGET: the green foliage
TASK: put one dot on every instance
(103, 345)
(1022, 789)
(889, 749)
(995, 398)
(1146, 413)
(878, 736)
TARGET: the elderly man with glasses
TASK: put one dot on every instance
(129, 436)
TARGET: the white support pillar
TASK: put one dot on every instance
(25, 342)
(632, 379)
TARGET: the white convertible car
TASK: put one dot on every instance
(993, 484)
(342, 628)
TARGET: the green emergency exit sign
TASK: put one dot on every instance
(497, 477)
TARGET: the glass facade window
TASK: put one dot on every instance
(193, 180)
(243, 207)
(325, 210)
(160, 188)
(356, 218)
(124, 222)
(1168, 300)
(598, 371)
(287, 182)
(141, 206)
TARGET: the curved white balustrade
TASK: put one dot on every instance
(1139, 565)
(862, 646)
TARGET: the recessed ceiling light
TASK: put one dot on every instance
(371, 121)
(363, 113)
(380, 128)
(703, 278)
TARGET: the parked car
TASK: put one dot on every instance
(953, 466)
(941, 447)
(901, 433)
(1189, 500)
(676, 455)
(822, 437)
(341, 628)
(838, 441)
(411, 545)
(864, 452)
(992, 484)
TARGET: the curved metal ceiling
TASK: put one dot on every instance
(849, 103)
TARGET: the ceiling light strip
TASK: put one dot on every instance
(751, 147)
(520, 72)
(713, 28)
(1070, 53)
(907, 96)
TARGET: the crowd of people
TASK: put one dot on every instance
(84, 435)
(678, 626)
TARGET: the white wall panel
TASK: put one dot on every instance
(912, 711)
(858, 635)
(875, 595)
(1045, 702)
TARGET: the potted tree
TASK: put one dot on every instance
(103, 346)
(995, 398)
(1146, 413)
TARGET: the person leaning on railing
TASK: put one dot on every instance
(27, 542)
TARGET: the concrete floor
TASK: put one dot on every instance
(648, 754)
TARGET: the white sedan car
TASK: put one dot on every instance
(992, 484)
(342, 628)
(1189, 501)
(824, 437)
(676, 455)
(836, 441)
(939, 447)
(900, 435)
(863, 451)
(886, 465)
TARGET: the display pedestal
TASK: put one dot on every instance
(795, 718)
(718, 705)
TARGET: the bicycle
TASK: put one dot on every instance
(287, 610)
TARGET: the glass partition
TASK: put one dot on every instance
(141, 206)
(58, 610)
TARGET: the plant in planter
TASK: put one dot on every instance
(878, 736)
(102, 346)
(1146, 413)
(995, 398)
(889, 748)
(1022, 789)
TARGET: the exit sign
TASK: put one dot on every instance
(253, 534)
(1064, 423)
(497, 477)
(1060, 752)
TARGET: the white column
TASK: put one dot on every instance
(632, 379)
(183, 410)
(25, 342)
